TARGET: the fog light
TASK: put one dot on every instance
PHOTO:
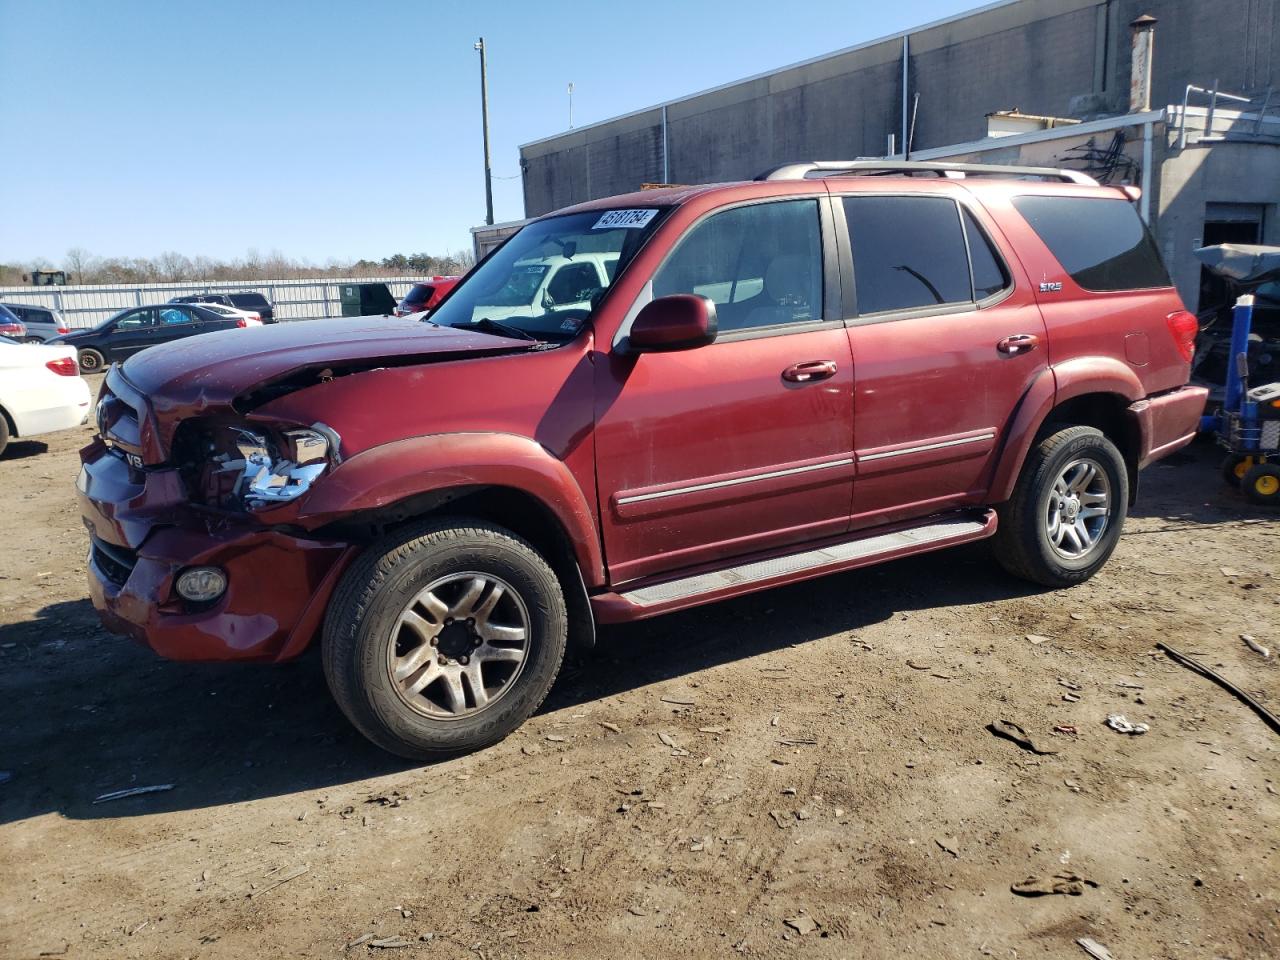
(201, 584)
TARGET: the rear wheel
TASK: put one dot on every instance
(1262, 484)
(91, 361)
(1234, 467)
(445, 637)
(1067, 510)
(4, 432)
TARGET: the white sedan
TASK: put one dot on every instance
(41, 390)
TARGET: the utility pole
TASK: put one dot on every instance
(484, 115)
(570, 104)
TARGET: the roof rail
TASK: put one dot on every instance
(837, 168)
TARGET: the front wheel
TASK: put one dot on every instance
(91, 361)
(1067, 510)
(444, 638)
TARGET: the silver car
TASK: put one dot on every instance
(43, 323)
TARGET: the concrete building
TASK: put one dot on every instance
(1001, 84)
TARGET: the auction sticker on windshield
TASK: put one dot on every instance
(631, 219)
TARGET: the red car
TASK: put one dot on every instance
(832, 366)
(425, 295)
(11, 326)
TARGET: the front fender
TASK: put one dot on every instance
(391, 472)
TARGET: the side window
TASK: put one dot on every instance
(761, 265)
(573, 283)
(989, 273)
(174, 315)
(1102, 243)
(908, 252)
(137, 320)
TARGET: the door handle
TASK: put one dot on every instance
(1018, 343)
(809, 371)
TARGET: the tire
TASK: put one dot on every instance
(371, 634)
(4, 432)
(1029, 544)
(1234, 467)
(1262, 484)
(91, 361)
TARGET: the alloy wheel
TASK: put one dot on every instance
(459, 645)
(1078, 509)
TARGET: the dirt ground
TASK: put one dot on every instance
(802, 773)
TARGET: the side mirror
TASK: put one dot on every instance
(681, 321)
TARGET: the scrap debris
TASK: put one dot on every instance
(1255, 646)
(390, 943)
(1012, 731)
(1069, 884)
(132, 792)
(1120, 724)
(280, 881)
(1268, 717)
(801, 924)
(1094, 949)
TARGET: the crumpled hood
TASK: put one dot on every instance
(213, 369)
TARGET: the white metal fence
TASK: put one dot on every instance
(84, 305)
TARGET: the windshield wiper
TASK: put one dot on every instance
(492, 325)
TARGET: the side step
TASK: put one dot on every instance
(654, 598)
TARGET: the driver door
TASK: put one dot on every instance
(744, 444)
(136, 330)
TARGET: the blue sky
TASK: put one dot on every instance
(325, 129)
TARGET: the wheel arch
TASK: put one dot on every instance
(9, 422)
(507, 480)
(1093, 392)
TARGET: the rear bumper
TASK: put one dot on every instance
(1168, 421)
(63, 404)
(141, 537)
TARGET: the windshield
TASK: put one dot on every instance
(548, 278)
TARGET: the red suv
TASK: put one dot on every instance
(832, 366)
(425, 295)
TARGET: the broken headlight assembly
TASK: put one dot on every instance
(253, 467)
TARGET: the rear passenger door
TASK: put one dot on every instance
(946, 338)
(181, 321)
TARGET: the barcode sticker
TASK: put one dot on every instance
(629, 219)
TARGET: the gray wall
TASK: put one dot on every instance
(1041, 56)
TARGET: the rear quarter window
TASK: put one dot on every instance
(1101, 243)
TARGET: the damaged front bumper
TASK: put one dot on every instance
(144, 533)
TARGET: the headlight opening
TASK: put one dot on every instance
(280, 471)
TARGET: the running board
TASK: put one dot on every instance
(651, 599)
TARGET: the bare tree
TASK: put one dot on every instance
(173, 267)
(78, 260)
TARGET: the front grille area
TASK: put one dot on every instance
(116, 563)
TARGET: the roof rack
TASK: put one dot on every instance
(957, 171)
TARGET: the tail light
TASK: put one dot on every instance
(1183, 327)
(64, 367)
(64, 329)
(241, 322)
